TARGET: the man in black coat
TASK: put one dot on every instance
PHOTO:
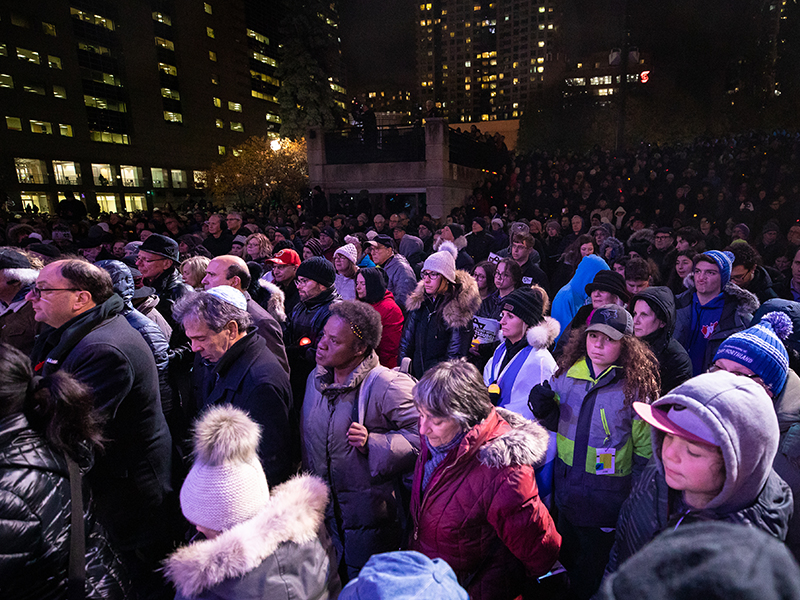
(89, 338)
(234, 366)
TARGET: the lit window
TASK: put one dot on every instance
(468, 63)
(28, 55)
(108, 137)
(104, 104)
(107, 202)
(173, 117)
(257, 36)
(67, 173)
(210, 32)
(220, 123)
(236, 152)
(131, 176)
(265, 78)
(199, 179)
(541, 44)
(263, 96)
(93, 19)
(265, 59)
(171, 94)
(221, 150)
(273, 118)
(49, 29)
(179, 179)
(135, 202)
(237, 127)
(14, 123)
(65, 130)
(34, 89)
(162, 18)
(212, 56)
(31, 170)
(3, 50)
(234, 106)
(217, 102)
(214, 79)
(207, 7)
(94, 49)
(54, 62)
(164, 43)
(101, 77)
(168, 69)
(160, 177)
(41, 127)
(103, 174)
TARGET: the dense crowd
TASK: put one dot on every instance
(581, 383)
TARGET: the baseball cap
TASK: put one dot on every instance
(285, 257)
(676, 419)
(383, 240)
(612, 320)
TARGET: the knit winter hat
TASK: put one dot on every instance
(724, 262)
(317, 269)
(760, 348)
(443, 261)
(611, 282)
(226, 485)
(314, 246)
(525, 303)
(349, 252)
(456, 229)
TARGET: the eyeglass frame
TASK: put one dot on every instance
(429, 275)
(37, 291)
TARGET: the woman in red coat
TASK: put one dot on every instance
(371, 288)
(474, 502)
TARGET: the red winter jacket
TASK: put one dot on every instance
(392, 320)
(485, 490)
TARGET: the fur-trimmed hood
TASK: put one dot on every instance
(458, 312)
(542, 335)
(746, 302)
(525, 444)
(276, 302)
(294, 513)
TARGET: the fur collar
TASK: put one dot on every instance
(525, 444)
(459, 311)
(540, 336)
(294, 513)
(276, 302)
(746, 302)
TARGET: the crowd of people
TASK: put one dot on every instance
(587, 370)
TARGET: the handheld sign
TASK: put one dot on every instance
(485, 330)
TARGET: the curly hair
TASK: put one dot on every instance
(639, 366)
(264, 246)
(363, 320)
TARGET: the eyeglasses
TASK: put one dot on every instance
(751, 376)
(142, 259)
(37, 291)
(502, 275)
(430, 275)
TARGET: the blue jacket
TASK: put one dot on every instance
(572, 296)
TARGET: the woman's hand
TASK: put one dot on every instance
(357, 437)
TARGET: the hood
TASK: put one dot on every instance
(540, 336)
(617, 248)
(746, 302)
(584, 275)
(730, 406)
(417, 245)
(458, 312)
(662, 298)
(276, 302)
(525, 444)
(294, 513)
(323, 376)
(121, 278)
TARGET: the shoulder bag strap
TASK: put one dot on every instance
(76, 587)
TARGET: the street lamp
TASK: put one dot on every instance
(275, 145)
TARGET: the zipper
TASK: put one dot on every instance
(425, 497)
(605, 425)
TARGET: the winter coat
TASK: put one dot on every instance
(147, 305)
(35, 504)
(18, 326)
(479, 245)
(737, 313)
(401, 278)
(573, 295)
(271, 298)
(249, 377)
(481, 511)
(674, 363)
(752, 494)
(787, 460)
(761, 285)
(281, 553)
(437, 329)
(363, 515)
(132, 477)
(592, 416)
(392, 320)
(170, 288)
(269, 329)
(345, 286)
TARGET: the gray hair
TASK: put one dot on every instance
(24, 276)
(363, 319)
(454, 389)
(215, 313)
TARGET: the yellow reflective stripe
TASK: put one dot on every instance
(605, 422)
(566, 448)
(622, 460)
(640, 431)
(557, 398)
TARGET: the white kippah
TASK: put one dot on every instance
(230, 295)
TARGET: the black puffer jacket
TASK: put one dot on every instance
(34, 532)
(170, 288)
(673, 360)
(436, 328)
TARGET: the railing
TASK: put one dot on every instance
(388, 144)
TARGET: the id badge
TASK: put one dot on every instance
(604, 463)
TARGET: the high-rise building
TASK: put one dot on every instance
(482, 60)
(124, 103)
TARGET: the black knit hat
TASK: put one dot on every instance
(162, 246)
(480, 221)
(314, 246)
(456, 229)
(525, 303)
(611, 282)
(317, 269)
(375, 282)
(11, 259)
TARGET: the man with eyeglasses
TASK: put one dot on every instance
(400, 275)
(90, 339)
(158, 261)
(712, 310)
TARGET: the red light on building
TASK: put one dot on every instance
(645, 76)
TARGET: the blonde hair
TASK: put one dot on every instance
(196, 267)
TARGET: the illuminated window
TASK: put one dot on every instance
(221, 150)
(257, 36)
(135, 202)
(67, 173)
(173, 117)
(101, 77)
(234, 106)
(210, 32)
(237, 126)
(541, 44)
(59, 92)
(54, 62)
(263, 96)
(41, 127)
(93, 19)
(65, 130)
(103, 174)
(179, 179)
(28, 55)
(168, 69)
(207, 7)
(273, 118)
(34, 88)
(108, 137)
(107, 202)
(220, 123)
(217, 102)
(160, 177)
(171, 94)
(49, 29)
(215, 79)
(104, 104)
(3, 50)
(468, 63)
(94, 49)
(131, 176)
(14, 123)
(37, 199)
(164, 43)
(212, 55)
(265, 59)
(162, 18)
(263, 77)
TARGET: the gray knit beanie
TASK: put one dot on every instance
(443, 261)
